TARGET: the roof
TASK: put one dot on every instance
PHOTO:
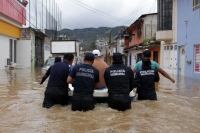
(140, 20)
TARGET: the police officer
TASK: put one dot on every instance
(154, 65)
(84, 78)
(119, 81)
(46, 75)
(57, 87)
(145, 80)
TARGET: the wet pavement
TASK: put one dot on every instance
(177, 109)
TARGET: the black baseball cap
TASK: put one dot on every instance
(89, 56)
(117, 56)
(147, 53)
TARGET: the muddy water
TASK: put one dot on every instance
(176, 111)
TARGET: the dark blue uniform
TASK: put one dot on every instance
(57, 87)
(145, 80)
(84, 76)
(119, 81)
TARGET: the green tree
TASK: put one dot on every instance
(93, 46)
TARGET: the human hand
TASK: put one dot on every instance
(173, 81)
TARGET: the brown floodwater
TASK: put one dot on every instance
(177, 109)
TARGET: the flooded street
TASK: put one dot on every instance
(176, 111)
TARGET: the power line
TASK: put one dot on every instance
(139, 7)
(98, 10)
(129, 14)
(93, 10)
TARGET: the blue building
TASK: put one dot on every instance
(188, 38)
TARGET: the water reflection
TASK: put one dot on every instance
(21, 96)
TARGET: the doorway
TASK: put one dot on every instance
(38, 51)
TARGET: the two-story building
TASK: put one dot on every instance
(167, 35)
(188, 38)
(139, 36)
(12, 17)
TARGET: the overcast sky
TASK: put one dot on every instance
(77, 14)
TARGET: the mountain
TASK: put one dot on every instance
(89, 35)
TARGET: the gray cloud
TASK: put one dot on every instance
(110, 13)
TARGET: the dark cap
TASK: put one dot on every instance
(146, 61)
(147, 53)
(89, 56)
(117, 56)
(57, 59)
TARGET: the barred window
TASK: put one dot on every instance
(196, 4)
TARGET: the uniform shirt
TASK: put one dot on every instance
(58, 75)
(101, 66)
(154, 65)
(84, 76)
(145, 80)
(119, 79)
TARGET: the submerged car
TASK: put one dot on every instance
(48, 63)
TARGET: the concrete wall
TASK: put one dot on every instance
(4, 50)
(150, 26)
(169, 38)
(188, 34)
(133, 54)
(24, 53)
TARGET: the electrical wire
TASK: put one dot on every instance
(97, 10)
(128, 15)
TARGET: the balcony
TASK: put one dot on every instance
(164, 35)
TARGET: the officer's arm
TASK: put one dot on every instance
(70, 80)
(137, 79)
(131, 80)
(105, 78)
(157, 78)
(166, 75)
(134, 70)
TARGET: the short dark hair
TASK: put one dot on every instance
(146, 61)
(147, 53)
(89, 56)
(68, 56)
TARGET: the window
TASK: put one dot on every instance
(164, 47)
(130, 37)
(197, 59)
(171, 47)
(196, 4)
(165, 14)
(139, 31)
(11, 50)
(175, 47)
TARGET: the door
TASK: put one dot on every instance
(155, 56)
(38, 52)
(182, 61)
(11, 50)
(139, 57)
(130, 60)
(175, 59)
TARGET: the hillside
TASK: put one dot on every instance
(89, 35)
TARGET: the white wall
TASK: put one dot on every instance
(24, 53)
(4, 50)
(133, 55)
